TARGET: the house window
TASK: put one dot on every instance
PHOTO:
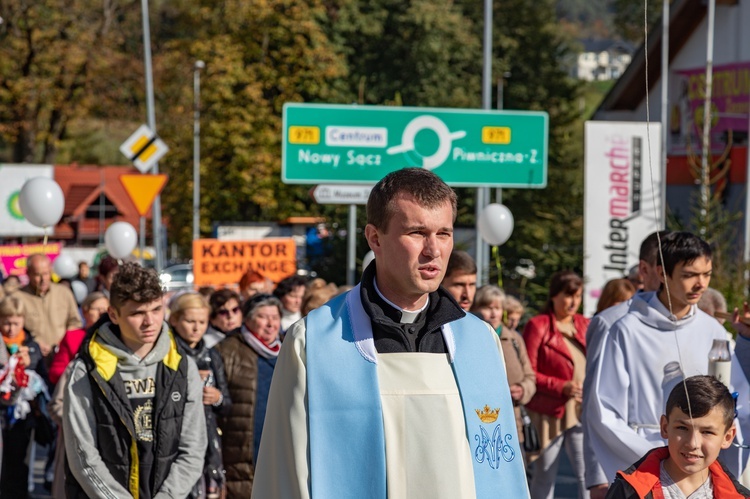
(99, 205)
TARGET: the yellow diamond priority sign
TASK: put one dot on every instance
(144, 148)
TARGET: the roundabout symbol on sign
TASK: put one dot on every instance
(445, 137)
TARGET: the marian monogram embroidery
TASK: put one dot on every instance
(495, 448)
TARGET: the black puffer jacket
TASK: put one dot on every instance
(115, 423)
(208, 359)
(249, 378)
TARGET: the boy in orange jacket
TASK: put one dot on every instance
(696, 428)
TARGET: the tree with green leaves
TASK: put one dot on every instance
(258, 56)
(414, 53)
(548, 222)
(629, 17)
(57, 64)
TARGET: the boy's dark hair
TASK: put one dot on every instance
(705, 392)
(649, 252)
(288, 284)
(460, 261)
(425, 187)
(681, 247)
(564, 281)
(134, 283)
(219, 298)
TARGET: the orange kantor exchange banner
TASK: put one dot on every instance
(220, 263)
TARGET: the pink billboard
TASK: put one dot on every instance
(13, 257)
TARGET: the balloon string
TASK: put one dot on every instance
(498, 265)
(44, 244)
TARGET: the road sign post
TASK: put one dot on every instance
(351, 195)
(465, 147)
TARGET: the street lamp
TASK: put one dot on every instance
(199, 65)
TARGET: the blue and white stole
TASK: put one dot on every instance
(345, 420)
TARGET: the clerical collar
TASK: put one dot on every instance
(407, 316)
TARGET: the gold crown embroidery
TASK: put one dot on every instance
(488, 415)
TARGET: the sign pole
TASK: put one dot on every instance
(483, 193)
(142, 239)
(661, 224)
(197, 148)
(351, 254)
(156, 216)
(705, 157)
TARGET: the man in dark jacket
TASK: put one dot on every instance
(133, 411)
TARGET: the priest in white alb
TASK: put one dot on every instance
(392, 390)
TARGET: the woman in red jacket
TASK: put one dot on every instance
(556, 343)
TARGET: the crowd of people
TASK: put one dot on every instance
(94, 370)
(414, 383)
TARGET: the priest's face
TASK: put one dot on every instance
(412, 251)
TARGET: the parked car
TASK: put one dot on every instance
(177, 277)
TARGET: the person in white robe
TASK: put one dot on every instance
(598, 330)
(627, 396)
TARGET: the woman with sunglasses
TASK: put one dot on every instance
(225, 316)
(249, 361)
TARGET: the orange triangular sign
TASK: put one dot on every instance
(143, 189)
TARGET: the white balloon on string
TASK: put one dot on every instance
(495, 224)
(41, 201)
(120, 239)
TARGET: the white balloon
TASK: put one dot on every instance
(41, 201)
(368, 258)
(120, 239)
(80, 290)
(65, 267)
(495, 224)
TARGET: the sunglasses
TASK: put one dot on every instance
(225, 312)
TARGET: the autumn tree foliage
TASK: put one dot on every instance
(71, 75)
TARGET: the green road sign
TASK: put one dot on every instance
(465, 147)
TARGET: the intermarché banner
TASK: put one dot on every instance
(620, 206)
(222, 263)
